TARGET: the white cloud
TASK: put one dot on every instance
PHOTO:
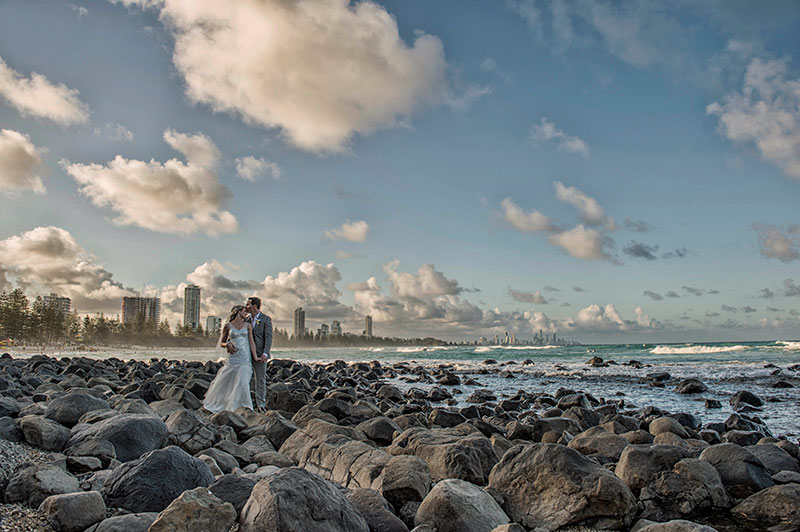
(546, 131)
(583, 243)
(48, 259)
(527, 297)
(309, 285)
(766, 112)
(321, 72)
(79, 10)
(352, 231)
(530, 222)
(608, 318)
(116, 132)
(36, 96)
(589, 210)
(251, 168)
(427, 283)
(19, 162)
(775, 243)
(464, 99)
(171, 197)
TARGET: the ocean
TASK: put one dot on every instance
(724, 367)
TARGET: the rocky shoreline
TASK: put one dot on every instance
(108, 445)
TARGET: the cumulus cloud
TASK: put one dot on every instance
(36, 96)
(309, 285)
(535, 298)
(766, 113)
(655, 296)
(547, 132)
(321, 72)
(640, 250)
(519, 219)
(588, 209)
(352, 231)
(171, 197)
(583, 243)
(607, 318)
(778, 243)
(48, 259)
(252, 168)
(19, 163)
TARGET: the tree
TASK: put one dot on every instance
(15, 314)
(163, 328)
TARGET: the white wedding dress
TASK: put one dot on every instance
(231, 387)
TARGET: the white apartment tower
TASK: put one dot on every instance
(299, 322)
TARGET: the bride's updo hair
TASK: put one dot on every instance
(234, 311)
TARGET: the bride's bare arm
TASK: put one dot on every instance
(223, 339)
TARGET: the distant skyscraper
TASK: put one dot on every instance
(63, 304)
(368, 326)
(191, 306)
(299, 322)
(336, 328)
(149, 307)
(213, 325)
(323, 330)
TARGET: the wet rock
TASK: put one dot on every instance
(692, 385)
(742, 473)
(195, 509)
(294, 499)
(376, 511)
(776, 506)
(712, 403)
(482, 395)
(455, 505)
(741, 437)
(74, 512)
(745, 397)
(551, 486)
(445, 418)
(32, 483)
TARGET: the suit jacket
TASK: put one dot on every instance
(262, 334)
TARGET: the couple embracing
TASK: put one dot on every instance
(247, 337)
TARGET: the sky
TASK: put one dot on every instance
(609, 171)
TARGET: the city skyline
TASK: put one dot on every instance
(607, 171)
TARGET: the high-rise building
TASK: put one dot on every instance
(368, 326)
(213, 325)
(149, 307)
(62, 304)
(191, 306)
(299, 322)
(323, 330)
(336, 328)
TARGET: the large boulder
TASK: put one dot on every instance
(195, 509)
(44, 433)
(666, 424)
(677, 525)
(32, 483)
(774, 458)
(639, 464)
(151, 482)
(405, 478)
(74, 512)
(379, 429)
(189, 431)
(455, 505)
(235, 489)
(597, 440)
(68, 408)
(449, 453)
(742, 473)
(550, 486)
(691, 487)
(277, 428)
(691, 385)
(131, 434)
(125, 523)
(294, 499)
(779, 505)
(375, 510)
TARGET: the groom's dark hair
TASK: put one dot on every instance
(255, 301)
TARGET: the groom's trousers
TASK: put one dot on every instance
(260, 388)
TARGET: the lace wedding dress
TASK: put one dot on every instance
(231, 387)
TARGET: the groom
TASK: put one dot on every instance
(262, 335)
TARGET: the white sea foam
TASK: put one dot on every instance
(421, 349)
(784, 344)
(696, 349)
(487, 348)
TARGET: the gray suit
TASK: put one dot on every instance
(262, 335)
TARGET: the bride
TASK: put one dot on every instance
(231, 387)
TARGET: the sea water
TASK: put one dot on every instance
(724, 367)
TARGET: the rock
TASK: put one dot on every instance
(510, 527)
(455, 506)
(712, 403)
(74, 512)
(375, 510)
(597, 440)
(277, 428)
(774, 458)
(68, 408)
(638, 437)
(445, 418)
(181, 395)
(131, 434)
(83, 464)
(691, 385)
(191, 434)
(9, 407)
(779, 505)
(44, 433)
(743, 438)
(667, 424)
(380, 429)
(196, 509)
(234, 489)
(273, 458)
(9, 430)
(151, 482)
(693, 486)
(405, 478)
(230, 419)
(786, 477)
(125, 523)
(294, 499)
(551, 486)
(449, 453)
(225, 461)
(31, 483)
(745, 397)
(639, 464)
(742, 473)
(677, 525)
(670, 438)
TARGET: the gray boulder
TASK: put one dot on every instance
(125, 523)
(639, 464)
(9, 407)
(776, 506)
(131, 434)
(9, 430)
(151, 482)
(742, 473)
(380, 429)
(774, 458)
(405, 478)
(277, 428)
(189, 431)
(294, 499)
(692, 385)
(44, 433)
(677, 525)
(74, 512)
(193, 510)
(32, 483)
(550, 486)
(225, 461)
(597, 440)
(375, 510)
(455, 506)
(692, 487)
(68, 408)
(235, 489)
(667, 424)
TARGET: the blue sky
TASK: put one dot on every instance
(612, 171)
